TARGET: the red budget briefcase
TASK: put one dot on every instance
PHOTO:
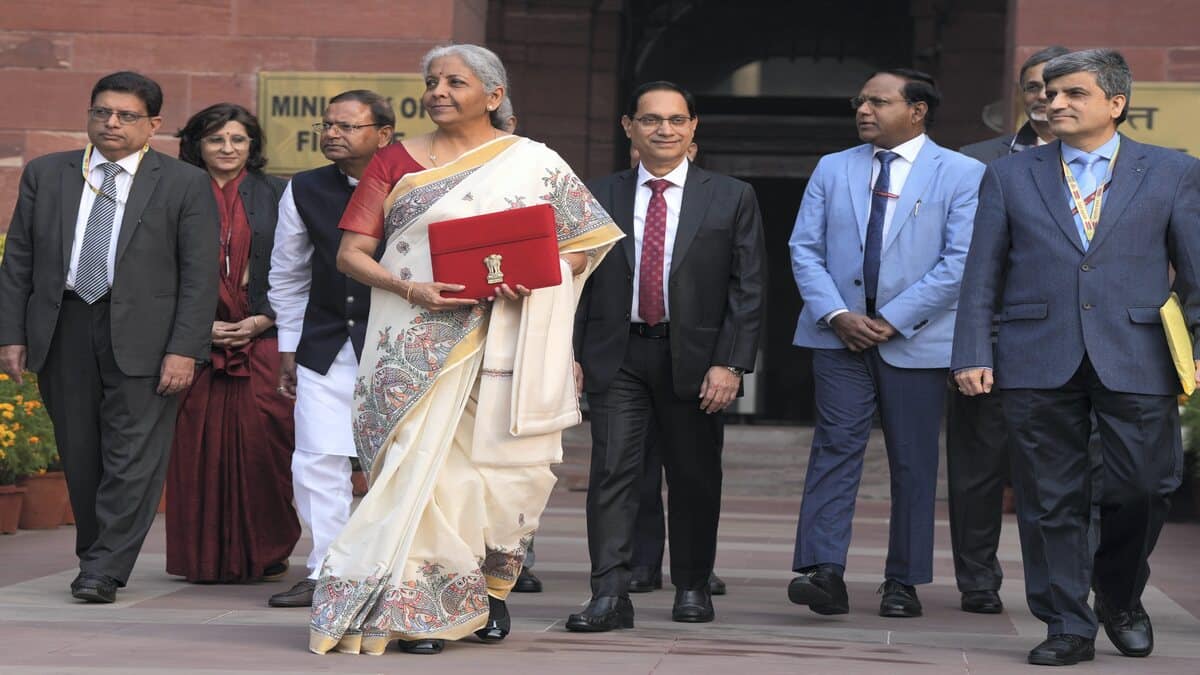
(517, 246)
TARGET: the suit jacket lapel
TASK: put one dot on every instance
(71, 187)
(144, 182)
(1048, 177)
(1127, 175)
(697, 193)
(923, 170)
(858, 177)
(623, 194)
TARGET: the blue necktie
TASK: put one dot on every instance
(874, 247)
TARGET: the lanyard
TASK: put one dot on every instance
(1089, 216)
(88, 152)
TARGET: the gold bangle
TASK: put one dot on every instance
(408, 296)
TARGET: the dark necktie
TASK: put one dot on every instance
(650, 273)
(91, 272)
(874, 247)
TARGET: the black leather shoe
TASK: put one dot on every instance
(899, 600)
(1129, 630)
(299, 595)
(982, 602)
(1063, 650)
(645, 580)
(527, 583)
(693, 606)
(94, 588)
(716, 585)
(499, 622)
(422, 646)
(605, 613)
(822, 589)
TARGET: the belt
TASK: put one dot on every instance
(73, 296)
(655, 332)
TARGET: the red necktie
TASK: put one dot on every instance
(650, 276)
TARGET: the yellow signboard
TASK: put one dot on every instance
(289, 103)
(1164, 113)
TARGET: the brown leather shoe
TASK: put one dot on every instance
(300, 595)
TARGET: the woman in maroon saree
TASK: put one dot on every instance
(229, 489)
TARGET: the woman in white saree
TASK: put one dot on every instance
(459, 405)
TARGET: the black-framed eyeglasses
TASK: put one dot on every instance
(123, 116)
(649, 122)
(322, 127)
(874, 101)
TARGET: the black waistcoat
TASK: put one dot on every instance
(337, 305)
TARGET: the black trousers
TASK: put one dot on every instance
(976, 471)
(650, 530)
(642, 396)
(114, 436)
(1141, 464)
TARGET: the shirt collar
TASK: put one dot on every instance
(677, 176)
(908, 149)
(129, 163)
(1070, 153)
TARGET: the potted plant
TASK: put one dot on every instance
(15, 462)
(31, 435)
(1189, 418)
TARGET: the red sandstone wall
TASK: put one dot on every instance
(200, 51)
(1158, 37)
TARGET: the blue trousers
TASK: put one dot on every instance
(850, 387)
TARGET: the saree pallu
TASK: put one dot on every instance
(229, 481)
(458, 414)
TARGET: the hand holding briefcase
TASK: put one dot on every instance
(514, 247)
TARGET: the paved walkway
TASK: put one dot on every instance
(162, 625)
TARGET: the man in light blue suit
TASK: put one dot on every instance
(1074, 244)
(878, 252)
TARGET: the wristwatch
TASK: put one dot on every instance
(735, 370)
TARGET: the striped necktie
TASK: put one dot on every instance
(91, 274)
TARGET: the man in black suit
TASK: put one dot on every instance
(108, 291)
(976, 440)
(663, 335)
(1073, 245)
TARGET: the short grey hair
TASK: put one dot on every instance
(482, 61)
(1110, 68)
(1041, 56)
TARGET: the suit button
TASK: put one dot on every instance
(626, 316)
(858, 282)
(1085, 267)
(350, 323)
(349, 298)
(1088, 305)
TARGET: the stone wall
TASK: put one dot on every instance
(200, 51)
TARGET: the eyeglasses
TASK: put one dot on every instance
(346, 129)
(123, 116)
(1033, 87)
(874, 101)
(650, 122)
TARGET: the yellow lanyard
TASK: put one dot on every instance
(88, 152)
(1092, 216)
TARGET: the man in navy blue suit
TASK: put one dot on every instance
(878, 252)
(1073, 246)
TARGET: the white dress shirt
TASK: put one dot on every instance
(673, 196)
(124, 182)
(897, 174)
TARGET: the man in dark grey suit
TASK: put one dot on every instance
(663, 334)
(108, 291)
(1073, 247)
(976, 440)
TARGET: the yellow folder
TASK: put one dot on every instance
(1180, 342)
